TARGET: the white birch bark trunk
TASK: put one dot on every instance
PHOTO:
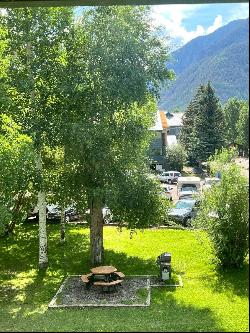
(43, 252)
(96, 233)
(43, 257)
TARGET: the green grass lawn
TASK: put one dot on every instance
(210, 301)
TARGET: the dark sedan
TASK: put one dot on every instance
(183, 211)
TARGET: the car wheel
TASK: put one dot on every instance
(169, 181)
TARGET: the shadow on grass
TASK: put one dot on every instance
(235, 280)
(33, 289)
(19, 252)
(19, 263)
(165, 314)
(21, 280)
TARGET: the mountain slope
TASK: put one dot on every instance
(221, 57)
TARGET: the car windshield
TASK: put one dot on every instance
(189, 188)
(183, 204)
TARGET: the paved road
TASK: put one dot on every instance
(174, 193)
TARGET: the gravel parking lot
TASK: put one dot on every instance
(174, 193)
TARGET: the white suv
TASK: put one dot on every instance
(169, 177)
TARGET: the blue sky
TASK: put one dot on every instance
(185, 22)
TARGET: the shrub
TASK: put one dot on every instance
(224, 213)
(176, 157)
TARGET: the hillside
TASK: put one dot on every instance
(221, 57)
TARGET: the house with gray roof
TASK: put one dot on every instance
(167, 130)
(174, 121)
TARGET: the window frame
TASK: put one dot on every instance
(54, 3)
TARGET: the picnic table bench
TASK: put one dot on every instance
(108, 285)
(86, 278)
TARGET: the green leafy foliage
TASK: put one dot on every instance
(37, 43)
(136, 200)
(4, 62)
(232, 111)
(243, 128)
(117, 77)
(17, 171)
(221, 158)
(225, 214)
(176, 157)
(88, 87)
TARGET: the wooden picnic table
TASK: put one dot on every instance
(103, 270)
(103, 276)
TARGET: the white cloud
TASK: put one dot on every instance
(172, 18)
(242, 12)
(216, 25)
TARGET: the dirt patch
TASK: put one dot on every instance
(243, 162)
(134, 291)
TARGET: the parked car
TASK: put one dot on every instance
(210, 181)
(53, 213)
(184, 211)
(169, 177)
(167, 191)
(33, 214)
(188, 187)
(188, 192)
(71, 214)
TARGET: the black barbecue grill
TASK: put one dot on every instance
(164, 261)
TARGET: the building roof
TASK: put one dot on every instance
(163, 120)
(160, 122)
(174, 119)
(189, 179)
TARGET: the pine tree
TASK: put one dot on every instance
(203, 125)
(188, 135)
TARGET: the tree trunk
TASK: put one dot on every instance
(62, 226)
(43, 257)
(96, 232)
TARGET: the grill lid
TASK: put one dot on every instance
(164, 257)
